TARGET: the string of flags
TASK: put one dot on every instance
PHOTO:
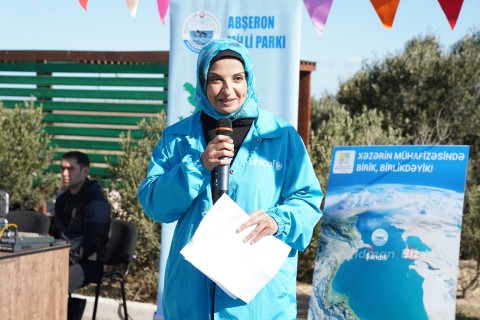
(319, 10)
(132, 6)
(386, 10)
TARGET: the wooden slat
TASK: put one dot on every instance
(87, 94)
(94, 157)
(93, 132)
(85, 81)
(93, 119)
(136, 107)
(84, 68)
(115, 57)
(87, 144)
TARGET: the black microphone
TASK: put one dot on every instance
(224, 127)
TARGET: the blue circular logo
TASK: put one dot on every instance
(200, 28)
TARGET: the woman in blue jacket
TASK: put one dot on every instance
(271, 177)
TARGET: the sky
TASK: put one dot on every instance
(353, 33)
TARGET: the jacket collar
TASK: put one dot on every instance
(266, 125)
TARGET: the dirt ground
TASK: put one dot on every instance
(304, 290)
(468, 294)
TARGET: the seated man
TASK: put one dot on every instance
(82, 217)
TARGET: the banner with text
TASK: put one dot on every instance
(390, 237)
(269, 29)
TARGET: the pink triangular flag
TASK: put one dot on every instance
(386, 10)
(162, 9)
(132, 6)
(318, 11)
(451, 8)
(83, 3)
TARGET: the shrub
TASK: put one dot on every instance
(25, 154)
(128, 173)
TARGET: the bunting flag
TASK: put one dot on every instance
(318, 11)
(162, 9)
(132, 6)
(386, 10)
(451, 8)
(83, 3)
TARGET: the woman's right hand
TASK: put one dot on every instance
(220, 147)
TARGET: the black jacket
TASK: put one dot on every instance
(84, 220)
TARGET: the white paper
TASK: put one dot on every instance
(218, 251)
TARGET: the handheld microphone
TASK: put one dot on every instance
(224, 127)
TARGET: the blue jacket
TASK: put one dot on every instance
(272, 171)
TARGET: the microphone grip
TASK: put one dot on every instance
(222, 179)
(224, 127)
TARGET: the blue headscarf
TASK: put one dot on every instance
(249, 108)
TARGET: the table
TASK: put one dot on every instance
(34, 283)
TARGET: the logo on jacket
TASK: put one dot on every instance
(265, 163)
(199, 29)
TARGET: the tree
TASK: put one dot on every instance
(432, 96)
(465, 59)
(417, 90)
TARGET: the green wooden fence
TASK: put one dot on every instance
(88, 98)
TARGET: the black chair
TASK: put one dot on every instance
(29, 221)
(120, 255)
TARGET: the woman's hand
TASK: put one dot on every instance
(265, 225)
(220, 147)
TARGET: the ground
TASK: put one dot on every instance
(468, 294)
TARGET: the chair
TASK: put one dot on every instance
(29, 221)
(120, 255)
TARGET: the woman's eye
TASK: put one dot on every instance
(238, 78)
(214, 80)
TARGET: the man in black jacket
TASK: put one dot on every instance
(82, 217)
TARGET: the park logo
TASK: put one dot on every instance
(200, 28)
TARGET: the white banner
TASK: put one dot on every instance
(269, 29)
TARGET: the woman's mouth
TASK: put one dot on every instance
(227, 101)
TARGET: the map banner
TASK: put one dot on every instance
(390, 235)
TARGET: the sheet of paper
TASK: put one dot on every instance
(218, 251)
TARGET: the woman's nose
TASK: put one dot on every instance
(227, 86)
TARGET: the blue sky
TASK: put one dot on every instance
(353, 33)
